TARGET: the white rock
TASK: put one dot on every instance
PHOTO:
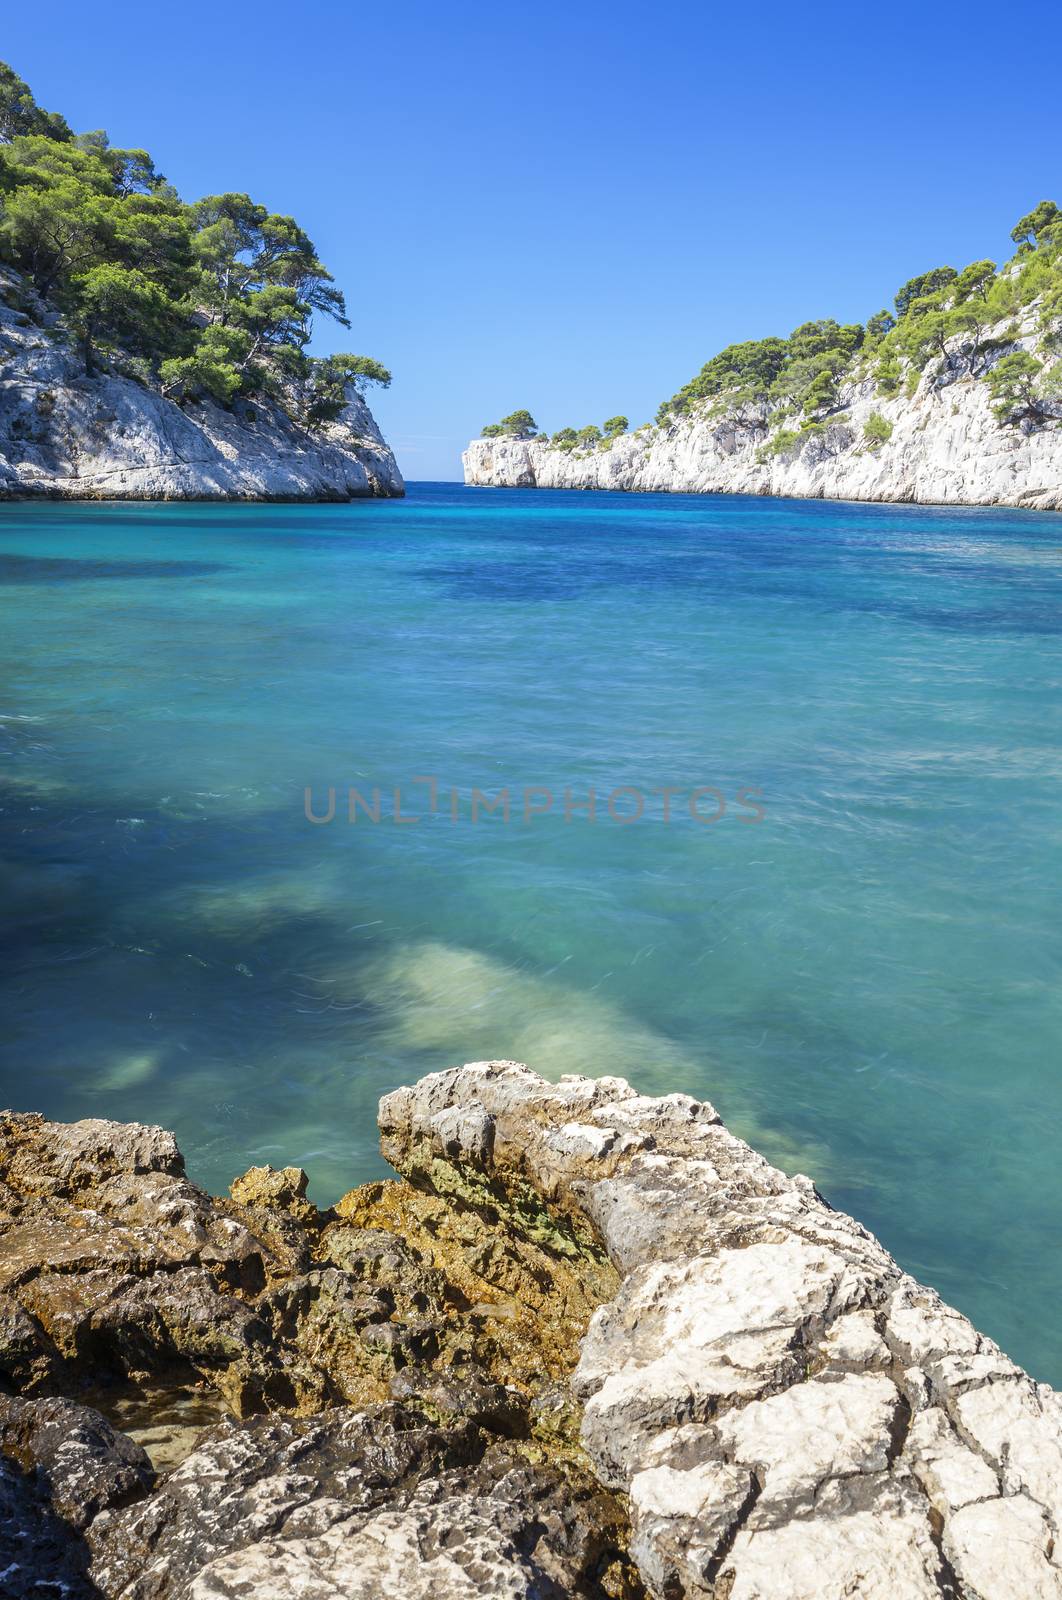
(814, 1431)
(1000, 1548)
(1021, 1424)
(794, 1417)
(951, 1474)
(886, 1554)
(447, 1552)
(855, 1340)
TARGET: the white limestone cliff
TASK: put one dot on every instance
(946, 448)
(68, 434)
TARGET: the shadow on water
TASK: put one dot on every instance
(66, 569)
(764, 572)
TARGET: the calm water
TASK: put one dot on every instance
(866, 982)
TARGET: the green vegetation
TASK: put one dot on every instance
(743, 372)
(522, 425)
(565, 439)
(799, 373)
(926, 283)
(944, 319)
(877, 430)
(889, 374)
(778, 444)
(1013, 382)
(20, 113)
(1038, 225)
(878, 326)
(518, 425)
(591, 437)
(214, 299)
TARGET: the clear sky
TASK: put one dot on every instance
(571, 207)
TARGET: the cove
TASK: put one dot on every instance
(866, 982)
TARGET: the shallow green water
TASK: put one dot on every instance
(866, 982)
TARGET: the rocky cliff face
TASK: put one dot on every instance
(591, 1345)
(68, 434)
(946, 448)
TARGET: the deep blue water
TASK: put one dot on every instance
(866, 981)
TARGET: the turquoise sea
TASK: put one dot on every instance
(866, 980)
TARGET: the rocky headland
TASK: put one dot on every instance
(68, 433)
(953, 397)
(587, 1344)
(153, 348)
(945, 447)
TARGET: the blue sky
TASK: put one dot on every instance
(571, 207)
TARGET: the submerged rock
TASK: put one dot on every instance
(591, 1344)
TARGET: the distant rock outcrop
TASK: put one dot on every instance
(944, 447)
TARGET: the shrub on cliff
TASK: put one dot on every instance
(591, 437)
(821, 392)
(212, 368)
(517, 425)
(779, 444)
(332, 377)
(917, 288)
(1012, 382)
(976, 280)
(877, 430)
(565, 439)
(889, 374)
(1037, 224)
(878, 327)
(747, 369)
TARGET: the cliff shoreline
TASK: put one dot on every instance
(944, 447)
(589, 1344)
(68, 434)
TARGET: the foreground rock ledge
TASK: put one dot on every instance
(791, 1414)
(780, 1409)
